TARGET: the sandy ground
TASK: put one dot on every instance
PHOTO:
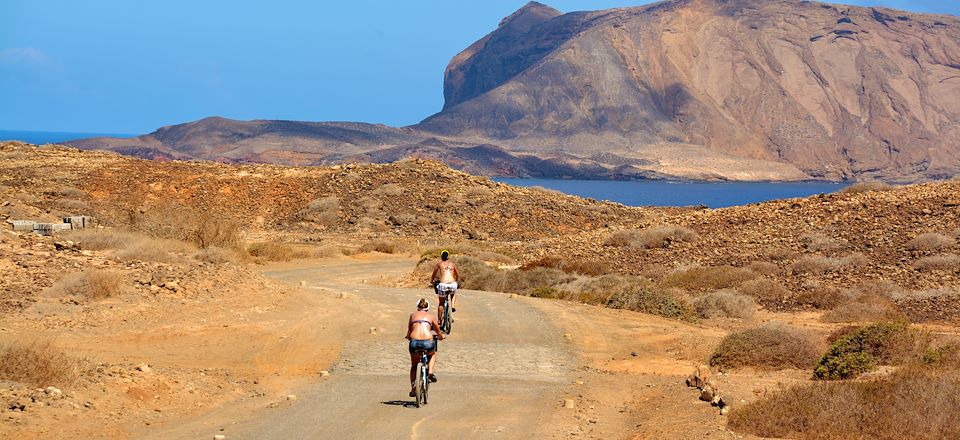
(250, 366)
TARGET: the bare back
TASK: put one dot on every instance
(420, 324)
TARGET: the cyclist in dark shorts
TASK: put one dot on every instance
(419, 334)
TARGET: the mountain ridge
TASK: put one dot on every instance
(777, 90)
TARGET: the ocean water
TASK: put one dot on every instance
(50, 137)
(659, 193)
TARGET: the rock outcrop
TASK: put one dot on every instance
(702, 89)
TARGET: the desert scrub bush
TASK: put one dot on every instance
(773, 346)
(938, 262)
(383, 246)
(821, 297)
(669, 303)
(72, 205)
(701, 278)
(653, 237)
(273, 251)
(40, 364)
(129, 245)
(477, 192)
(203, 229)
(324, 211)
(593, 268)
(90, 284)
(765, 290)
(863, 309)
(217, 255)
(862, 350)
(466, 249)
(763, 267)
(389, 190)
(819, 265)
(862, 187)
(818, 242)
(915, 403)
(724, 304)
(372, 224)
(931, 242)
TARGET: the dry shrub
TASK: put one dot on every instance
(862, 350)
(819, 242)
(382, 246)
(821, 297)
(654, 237)
(593, 268)
(545, 190)
(72, 205)
(669, 303)
(202, 228)
(915, 403)
(40, 364)
(389, 190)
(931, 242)
(90, 284)
(779, 254)
(774, 346)
(467, 249)
(938, 262)
(129, 245)
(701, 278)
(273, 251)
(763, 267)
(477, 192)
(67, 192)
(862, 187)
(324, 211)
(372, 224)
(217, 255)
(725, 304)
(863, 309)
(819, 265)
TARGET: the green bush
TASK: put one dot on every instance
(882, 343)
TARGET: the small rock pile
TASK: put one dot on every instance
(709, 391)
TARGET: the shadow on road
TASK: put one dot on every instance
(404, 403)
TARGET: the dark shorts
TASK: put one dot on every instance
(429, 345)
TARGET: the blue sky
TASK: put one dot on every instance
(121, 66)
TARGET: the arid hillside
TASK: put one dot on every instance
(162, 320)
(683, 89)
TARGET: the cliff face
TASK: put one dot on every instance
(703, 89)
(838, 91)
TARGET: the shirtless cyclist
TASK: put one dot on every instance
(446, 276)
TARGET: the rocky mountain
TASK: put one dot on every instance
(704, 89)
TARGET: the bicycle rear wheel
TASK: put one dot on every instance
(447, 325)
(418, 385)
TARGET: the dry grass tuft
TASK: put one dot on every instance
(773, 346)
(763, 267)
(819, 265)
(654, 237)
(915, 403)
(90, 284)
(477, 192)
(819, 242)
(702, 278)
(725, 304)
(593, 268)
(38, 363)
(938, 262)
(765, 290)
(864, 309)
(273, 251)
(931, 242)
(862, 187)
(130, 245)
(389, 190)
(382, 246)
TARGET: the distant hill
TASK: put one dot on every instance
(702, 89)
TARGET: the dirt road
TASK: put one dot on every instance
(501, 372)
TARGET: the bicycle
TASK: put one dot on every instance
(421, 384)
(446, 323)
